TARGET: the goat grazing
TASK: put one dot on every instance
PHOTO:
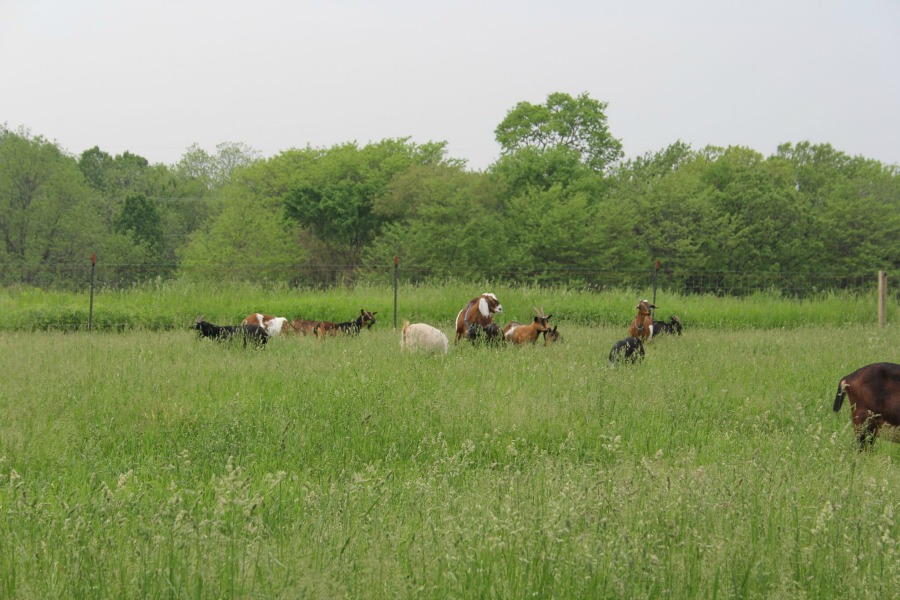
(631, 349)
(492, 334)
(642, 325)
(304, 326)
(874, 395)
(551, 336)
(419, 336)
(672, 327)
(479, 312)
(272, 325)
(524, 334)
(326, 328)
(252, 334)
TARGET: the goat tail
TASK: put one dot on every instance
(839, 398)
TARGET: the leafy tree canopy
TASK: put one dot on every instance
(576, 124)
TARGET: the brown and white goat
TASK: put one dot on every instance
(642, 325)
(424, 338)
(478, 313)
(273, 325)
(874, 395)
(517, 333)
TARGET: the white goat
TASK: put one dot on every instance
(420, 336)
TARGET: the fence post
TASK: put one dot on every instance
(396, 278)
(655, 275)
(91, 307)
(882, 298)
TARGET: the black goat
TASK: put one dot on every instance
(673, 327)
(492, 334)
(252, 334)
(631, 349)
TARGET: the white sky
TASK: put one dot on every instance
(154, 77)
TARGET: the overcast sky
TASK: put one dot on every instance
(154, 77)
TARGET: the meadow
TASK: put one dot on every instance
(143, 462)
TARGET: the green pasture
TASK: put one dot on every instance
(175, 305)
(151, 464)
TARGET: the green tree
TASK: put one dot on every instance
(334, 191)
(246, 241)
(248, 236)
(45, 212)
(578, 125)
(215, 170)
(140, 218)
(442, 219)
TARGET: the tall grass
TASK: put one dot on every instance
(147, 464)
(175, 305)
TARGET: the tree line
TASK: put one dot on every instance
(560, 200)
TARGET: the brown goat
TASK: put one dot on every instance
(365, 319)
(874, 394)
(642, 325)
(304, 326)
(527, 334)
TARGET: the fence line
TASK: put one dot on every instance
(77, 276)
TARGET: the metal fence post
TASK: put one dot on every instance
(655, 277)
(91, 307)
(396, 279)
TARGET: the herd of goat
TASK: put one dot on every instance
(873, 391)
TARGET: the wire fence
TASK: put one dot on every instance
(77, 277)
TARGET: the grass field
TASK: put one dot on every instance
(170, 306)
(150, 464)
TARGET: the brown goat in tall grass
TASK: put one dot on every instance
(517, 333)
(874, 395)
(642, 325)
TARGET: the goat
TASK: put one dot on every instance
(874, 394)
(325, 328)
(304, 326)
(492, 334)
(419, 336)
(478, 312)
(272, 325)
(252, 334)
(630, 349)
(673, 326)
(523, 334)
(642, 324)
(551, 336)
